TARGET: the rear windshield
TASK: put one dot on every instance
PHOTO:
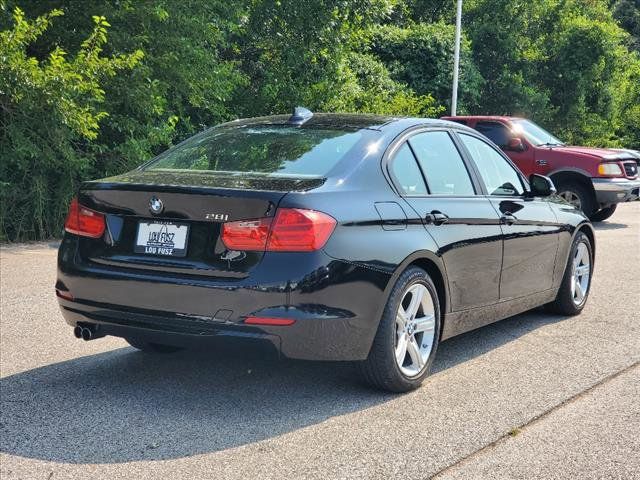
(265, 150)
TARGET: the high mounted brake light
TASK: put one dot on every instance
(291, 230)
(84, 221)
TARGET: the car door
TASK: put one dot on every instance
(440, 189)
(529, 225)
(501, 134)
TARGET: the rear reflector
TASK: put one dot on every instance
(84, 221)
(66, 294)
(292, 230)
(269, 321)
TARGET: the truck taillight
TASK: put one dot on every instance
(291, 230)
(84, 221)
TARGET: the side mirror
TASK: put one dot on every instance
(516, 145)
(541, 186)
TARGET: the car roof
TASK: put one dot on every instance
(503, 118)
(389, 125)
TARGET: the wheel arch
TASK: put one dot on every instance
(573, 176)
(434, 266)
(589, 231)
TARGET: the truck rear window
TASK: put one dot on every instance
(261, 150)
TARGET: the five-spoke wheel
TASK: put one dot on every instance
(415, 330)
(574, 289)
(581, 273)
(408, 334)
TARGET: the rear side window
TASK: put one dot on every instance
(406, 172)
(442, 164)
(498, 175)
(496, 132)
(262, 150)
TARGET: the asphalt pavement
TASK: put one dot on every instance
(534, 396)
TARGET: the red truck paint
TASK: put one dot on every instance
(573, 169)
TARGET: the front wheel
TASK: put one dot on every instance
(407, 337)
(577, 195)
(576, 283)
(603, 214)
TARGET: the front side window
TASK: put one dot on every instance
(269, 150)
(442, 164)
(496, 132)
(406, 172)
(498, 175)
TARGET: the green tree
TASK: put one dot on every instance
(421, 57)
(51, 110)
(627, 13)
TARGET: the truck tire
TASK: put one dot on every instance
(603, 214)
(579, 196)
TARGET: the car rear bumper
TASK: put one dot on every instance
(335, 305)
(615, 190)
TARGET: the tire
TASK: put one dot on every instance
(565, 302)
(578, 195)
(150, 347)
(603, 214)
(381, 369)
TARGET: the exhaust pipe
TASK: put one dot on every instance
(87, 334)
(87, 331)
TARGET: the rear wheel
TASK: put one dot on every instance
(576, 282)
(579, 196)
(150, 347)
(407, 337)
(603, 214)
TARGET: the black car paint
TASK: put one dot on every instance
(336, 295)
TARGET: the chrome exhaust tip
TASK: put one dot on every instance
(87, 334)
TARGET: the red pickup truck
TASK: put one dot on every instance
(593, 179)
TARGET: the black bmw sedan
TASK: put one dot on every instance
(334, 237)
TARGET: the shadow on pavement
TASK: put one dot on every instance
(609, 225)
(124, 405)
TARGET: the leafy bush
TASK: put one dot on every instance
(421, 57)
(76, 106)
(51, 111)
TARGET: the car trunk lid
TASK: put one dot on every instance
(183, 235)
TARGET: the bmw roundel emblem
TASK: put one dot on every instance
(155, 205)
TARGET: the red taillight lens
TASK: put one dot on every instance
(298, 230)
(246, 235)
(280, 322)
(84, 221)
(292, 230)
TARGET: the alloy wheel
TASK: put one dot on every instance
(572, 198)
(581, 274)
(415, 330)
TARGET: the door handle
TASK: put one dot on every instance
(508, 218)
(436, 217)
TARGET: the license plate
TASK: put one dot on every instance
(162, 238)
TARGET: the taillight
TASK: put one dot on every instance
(292, 230)
(84, 221)
(297, 230)
(246, 235)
